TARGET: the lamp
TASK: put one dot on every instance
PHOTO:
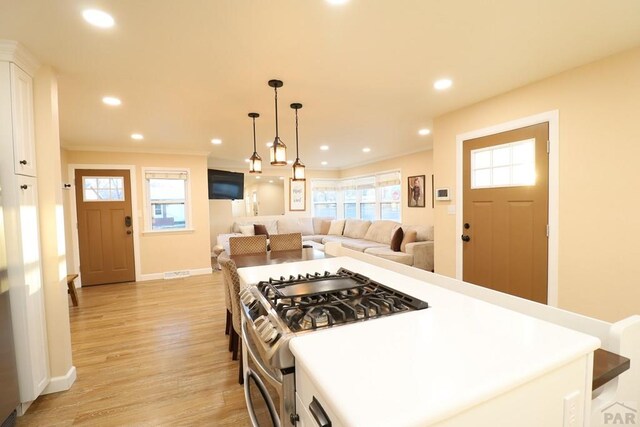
(298, 166)
(278, 150)
(255, 161)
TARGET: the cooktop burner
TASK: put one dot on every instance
(319, 300)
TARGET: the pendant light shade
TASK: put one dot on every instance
(255, 161)
(278, 151)
(298, 166)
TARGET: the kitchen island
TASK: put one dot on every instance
(462, 361)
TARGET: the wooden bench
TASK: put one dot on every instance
(72, 289)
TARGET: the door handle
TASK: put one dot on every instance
(127, 221)
(465, 238)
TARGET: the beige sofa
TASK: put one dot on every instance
(371, 237)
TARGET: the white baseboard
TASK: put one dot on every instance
(61, 383)
(160, 276)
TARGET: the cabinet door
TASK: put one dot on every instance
(24, 149)
(35, 343)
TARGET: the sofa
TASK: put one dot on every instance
(371, 237)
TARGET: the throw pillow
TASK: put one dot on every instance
(409, 237)
(396, 240)
(324, 227)
(260, 230)
(336, 227)
(247, 230)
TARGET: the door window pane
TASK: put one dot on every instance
(504, 165)
(102, 189)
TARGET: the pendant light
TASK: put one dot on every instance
(255, 161)
(298, 166)
(278, 150)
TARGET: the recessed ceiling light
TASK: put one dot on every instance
(337, 1)
(366, 150)
(110, 100)
(269, 144)
(442, 84)
(323, 163)
(289, 162)
(281, 177)
(98, 18)
(270, 181)
(424, 132)
(216, 141)
(246, 160)
(137, 136)
(258, 177)
(324, 147)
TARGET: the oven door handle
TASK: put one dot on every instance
(249, 375)
(258, 361)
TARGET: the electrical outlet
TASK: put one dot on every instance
(572, 413)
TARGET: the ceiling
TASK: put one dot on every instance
(188, 71)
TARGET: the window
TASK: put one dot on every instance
(167, 201)
(368, 197)
(324, 197)
(505, 165)
(102, 188)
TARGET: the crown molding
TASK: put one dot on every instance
(107, 149)
(12, 51)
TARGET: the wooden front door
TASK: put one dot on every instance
(505, 211)
(105, 229)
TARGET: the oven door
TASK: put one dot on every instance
(262, 389)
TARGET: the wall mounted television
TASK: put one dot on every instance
(225, 185)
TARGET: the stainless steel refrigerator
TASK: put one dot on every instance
(9, 396)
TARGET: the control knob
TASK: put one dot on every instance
(268, 333)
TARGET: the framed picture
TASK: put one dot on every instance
(297, 196)
(415, 195)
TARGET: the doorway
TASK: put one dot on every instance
(455, 208)
(105, 226)
(505, 211)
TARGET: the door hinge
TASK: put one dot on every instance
(547, 230)
(548, 146)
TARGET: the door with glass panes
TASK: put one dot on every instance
(105, 226)
(505, 211)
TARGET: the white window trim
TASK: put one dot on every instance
(340, 214)
(146, 206)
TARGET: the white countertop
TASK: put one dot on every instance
(422, 367)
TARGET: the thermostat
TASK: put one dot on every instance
(442, 194)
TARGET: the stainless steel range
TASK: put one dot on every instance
(277, 310)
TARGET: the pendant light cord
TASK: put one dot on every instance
(254, 135)
(297, 151)
(276, 91)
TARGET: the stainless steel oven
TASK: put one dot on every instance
(269, 393)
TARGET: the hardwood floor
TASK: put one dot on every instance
(148, 354)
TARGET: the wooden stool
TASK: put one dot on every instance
(72, 289)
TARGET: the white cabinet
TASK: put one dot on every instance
(24, 147)
(20, 208)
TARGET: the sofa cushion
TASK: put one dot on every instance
(290, 225)
(331, 238)
(360, 244)
(313, 238)
(386, 253)
(409, 237)
(356, 228)
(396, 240)
(321, 225)
(336, 228)
(381, 231)
(423, 232)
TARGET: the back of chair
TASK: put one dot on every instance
(248, 245)
(232, 281)
(285, 242)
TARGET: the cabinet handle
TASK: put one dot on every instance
(23, 162)
(319, 414)
(24, 186)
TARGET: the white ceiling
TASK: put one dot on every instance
(188, 71)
